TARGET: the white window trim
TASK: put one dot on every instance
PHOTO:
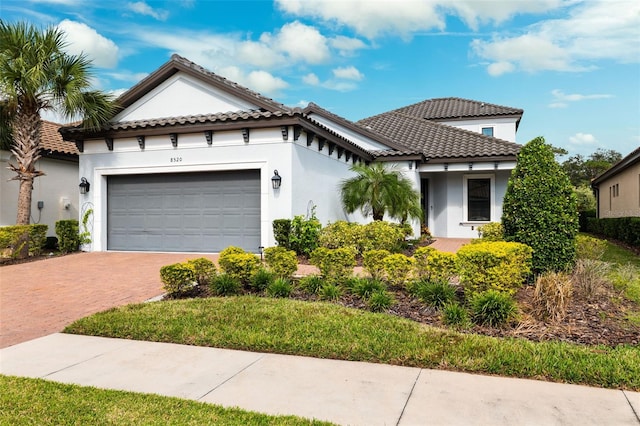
(488, 126)
(465, 193)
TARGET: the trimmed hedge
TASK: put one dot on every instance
(12, 238)
(68, 232)
(625, 229)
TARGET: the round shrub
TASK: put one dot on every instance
(380, 300)
(589, 247)
(224, 256)
(311, 283)
(336, 265)
(421, 257)
(493, 308)
(280, 287)
(373, 262)
(340, 234)
(225, 285)
(282, 262)
(435, 293)
(455, 315)
(204, 269)
(381, 235)
(330, 292)
(435, 265)
(398, 268)
(491, 232)
(177, 278)
(241, 266)
(540, 208)
(261, 279)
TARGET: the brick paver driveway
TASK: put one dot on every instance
(42, 297)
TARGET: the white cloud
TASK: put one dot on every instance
(499, 68)
(348, 73)
(143, 8)
(83, 39)
(311, 79)
(128, 76)
(559, 95)
(346, 45)
(582, 139)
(260, 81)
(302, 43)
(592, 31)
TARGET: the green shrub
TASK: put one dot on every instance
(373, 262)
(177, 278)
(282, 262)
(398, 268)
(455, 315)
(261, 279)
(590, 248)
(281, 232)
(435, 265)
(491, 232)
(496, 265)
(204, 269)
(625, 229)
(552, 295)
(224, 255)
(435, 293)
(336, 265)
(380, 300)
(68, 235)
(540, 208)
(493, 308)
(366, 287)
(280, 287)
(311, 284)
(304, 234)
(341, 234)
(15, 238)
(225, 285)
(330, 292)
(241, 266)
(380, 235)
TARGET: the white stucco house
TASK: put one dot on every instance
(188, 163)
(55, 195)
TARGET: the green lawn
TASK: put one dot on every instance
(325, 330)
(38, 402)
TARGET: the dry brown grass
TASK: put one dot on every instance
(552, 296)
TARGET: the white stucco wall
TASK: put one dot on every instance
(503, 128)
(57, 188)
(266, 152)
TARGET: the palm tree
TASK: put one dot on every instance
(37, 75)
(377, 190)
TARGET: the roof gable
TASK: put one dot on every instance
(620, 166)
(192, 77)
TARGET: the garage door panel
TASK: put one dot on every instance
(184, 212)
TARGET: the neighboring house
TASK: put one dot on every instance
(191, 160)
(618, 189)
(55, 195)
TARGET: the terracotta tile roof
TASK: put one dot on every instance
(456, 108)
(435, 140)
(52, 142)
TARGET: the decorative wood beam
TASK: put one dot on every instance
(109, 142)
(297, 130)
(355, 158)
(141, 141)
(332, 146)
(347, 156)
(208, 135)
(174, 139)
(321, 142)
(285, 132)
(340, 152)
(245, 134)
(310, 136)
(80, 144)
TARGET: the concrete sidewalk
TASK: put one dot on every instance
(344, 392)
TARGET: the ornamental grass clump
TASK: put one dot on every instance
(552, 296)
(281, 287)
(261, 279)
(493, 308)
(225, 285)
(590, 276)
(380, 300)
(311, 284)
(330, 292)
(434, 293)
(455, 315)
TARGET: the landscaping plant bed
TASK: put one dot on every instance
(597, 321)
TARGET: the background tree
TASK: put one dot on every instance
(377, 190)
(581, 170)
(540, 208)
(37, 75)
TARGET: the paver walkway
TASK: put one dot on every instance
(42, 297)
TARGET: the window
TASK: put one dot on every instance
(478, 193)
(487, 131)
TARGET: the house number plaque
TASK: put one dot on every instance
(176, 159)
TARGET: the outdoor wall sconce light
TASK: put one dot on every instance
(84, 185)
(276, 180)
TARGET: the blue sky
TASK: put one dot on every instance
(572, 65)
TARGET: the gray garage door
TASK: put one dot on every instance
(190, 212)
